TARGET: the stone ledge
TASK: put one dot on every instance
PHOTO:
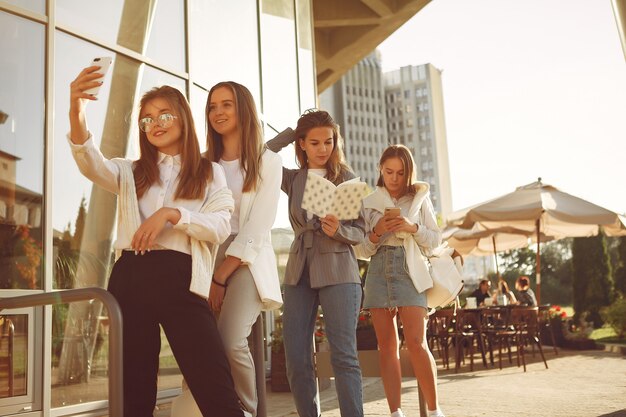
(613, 348)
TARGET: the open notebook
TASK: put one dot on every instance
(322, 197)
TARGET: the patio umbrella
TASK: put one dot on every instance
(479, 241)
(540, 208)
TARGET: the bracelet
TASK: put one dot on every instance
(219, 284)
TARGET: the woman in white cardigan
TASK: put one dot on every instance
(174, 211)
(401, 224)
(246, 277)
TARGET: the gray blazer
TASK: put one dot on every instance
(334, 261)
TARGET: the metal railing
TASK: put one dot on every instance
(116, 387)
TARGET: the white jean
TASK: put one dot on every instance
(240, 311)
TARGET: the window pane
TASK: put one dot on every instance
(13, 355)
(83, 219)
(38, 6)
(150, 27)
(198, 104)
(280, 84)
(222, 52)
(305, 55)
(21, 152)
(166, 44)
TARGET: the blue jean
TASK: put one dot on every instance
(340, 304)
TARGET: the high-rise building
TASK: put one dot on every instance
(357, 103)
(415, 118)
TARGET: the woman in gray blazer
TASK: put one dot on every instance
(321, 270)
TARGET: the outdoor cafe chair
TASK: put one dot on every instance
(469, 332)
(441, 333)
(525, 322)
(495, 324)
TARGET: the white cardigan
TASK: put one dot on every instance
(253, 243)
(202, 252)
(427, 237)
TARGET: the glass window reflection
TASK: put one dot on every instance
(153, 28)
(280, 72)
(38, 6)
(21, 152)
(13, 355)
(198, 105)
(223, 50)
(306, 68)
(83, 219)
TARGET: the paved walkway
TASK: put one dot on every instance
(578, 384)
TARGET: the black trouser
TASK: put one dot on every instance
(153, 289)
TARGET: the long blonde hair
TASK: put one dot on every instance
(195, 171)
(336, 166)
(250, 129)
(404, 155)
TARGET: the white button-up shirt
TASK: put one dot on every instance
(212, 227)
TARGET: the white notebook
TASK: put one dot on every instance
(322, 197)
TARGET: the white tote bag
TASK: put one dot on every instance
(446, 274)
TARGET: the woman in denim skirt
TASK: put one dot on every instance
(400, 219)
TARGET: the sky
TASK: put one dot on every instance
(532, 89)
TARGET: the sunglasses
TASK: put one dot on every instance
(165, 120)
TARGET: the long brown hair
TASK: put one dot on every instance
(404, 155)
(250, 129)
(195, 171)
(336, 166)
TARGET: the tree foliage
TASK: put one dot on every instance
(80, 225)
(620, 267)
(556, 275)
(592, 280)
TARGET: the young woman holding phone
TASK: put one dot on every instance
(174, 210)
(400, 220)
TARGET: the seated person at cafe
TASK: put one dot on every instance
(482, 292)
(525, 296)
(503, 289)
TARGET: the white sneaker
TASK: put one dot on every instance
(435, 413)
(398, 413)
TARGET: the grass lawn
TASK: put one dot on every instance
(606, 335)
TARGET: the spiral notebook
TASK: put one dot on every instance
(322, 197)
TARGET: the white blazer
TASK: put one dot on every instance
(253, 243)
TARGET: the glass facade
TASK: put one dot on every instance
(21, 152)
(56, 227)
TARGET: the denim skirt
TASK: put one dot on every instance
(388, 283)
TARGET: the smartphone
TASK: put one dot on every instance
(104, 63)
(392, 211)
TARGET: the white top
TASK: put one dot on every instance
(322, 173)
(427, 236)
(416, 245)
(372, 217)
(212, 227)
(234, 179)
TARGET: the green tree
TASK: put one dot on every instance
(556, 270)
(80, 225)
(620, 272)
(592, 280)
